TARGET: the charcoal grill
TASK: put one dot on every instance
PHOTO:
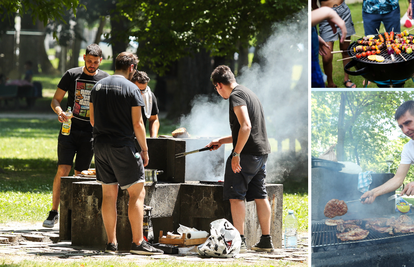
(386, 73)
(324, 237)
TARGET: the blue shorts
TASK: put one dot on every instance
(372, 22)
(79, 143)
(248, 184)
(118, 165)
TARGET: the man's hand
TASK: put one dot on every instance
(214, 145)
(408, 189)
(369, 197)
(145, 157)
(235, 164)
(410, 11)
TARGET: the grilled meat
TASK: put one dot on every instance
(331, 222)
(334, 208)
(355, 234)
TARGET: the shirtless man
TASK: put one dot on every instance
(327, 34)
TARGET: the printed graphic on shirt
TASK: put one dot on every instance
(82, 95)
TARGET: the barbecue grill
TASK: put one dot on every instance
(377, 249)
(386, 73)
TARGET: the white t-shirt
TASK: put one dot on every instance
(407, 155)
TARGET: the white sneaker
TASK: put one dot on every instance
(52, 219)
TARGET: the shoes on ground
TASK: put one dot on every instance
(243, 246)
(265, 244)
(111, 248)
(52, 219)
(144, 249)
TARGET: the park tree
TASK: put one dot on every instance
(360, 123)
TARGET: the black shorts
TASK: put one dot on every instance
(250, 183)
(79, 143)
(118, 165)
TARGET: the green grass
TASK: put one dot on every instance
(28, 160)
(338, 68)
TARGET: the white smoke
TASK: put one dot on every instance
(280, 82)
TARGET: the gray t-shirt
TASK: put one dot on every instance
(112, 100)
(257, 144)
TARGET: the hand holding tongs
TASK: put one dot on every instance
(183, 154)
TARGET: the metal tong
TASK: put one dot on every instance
(393, 197)
(183, 154)
(359, 199)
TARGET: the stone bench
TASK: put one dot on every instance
(191, 204)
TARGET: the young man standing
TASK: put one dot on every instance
(78, 83)
(115, 108)
(150, 110)
(245, 171)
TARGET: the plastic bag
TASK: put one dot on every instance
(406, 21)
(224, 241)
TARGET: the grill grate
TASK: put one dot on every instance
(324, 236)
(383, 53)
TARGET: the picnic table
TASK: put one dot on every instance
(18, 89)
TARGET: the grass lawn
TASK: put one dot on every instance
(28, 161)
(338, 67)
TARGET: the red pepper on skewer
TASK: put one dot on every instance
(381, 38)
(387, 37)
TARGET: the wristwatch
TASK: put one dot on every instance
(234, 154)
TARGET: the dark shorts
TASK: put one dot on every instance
(325, 29)
(248, 184)
(79, 143)
(118, 165)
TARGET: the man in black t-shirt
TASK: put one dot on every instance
(245, 171)
(150, 110)
(115, 108)
(78, 83)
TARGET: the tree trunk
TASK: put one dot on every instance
(191, 81)
(340, 152)
(7, 47)
(243, 60)
(102, 22)
(32, 47)
(119, 37)
(74, 62)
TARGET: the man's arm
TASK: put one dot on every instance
(410, 10)
(55, 105)
(91, 114)
(154, 125)
(391, 185)
(139, 130)
(245, 127)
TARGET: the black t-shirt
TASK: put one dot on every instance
(257, 144)
(79, 85)
(154, 110)
(112, 100)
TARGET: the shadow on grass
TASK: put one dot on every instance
(27, 175)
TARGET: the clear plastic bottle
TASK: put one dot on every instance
(291, 230)
(67, 124)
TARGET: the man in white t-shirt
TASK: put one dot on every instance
(405, 119)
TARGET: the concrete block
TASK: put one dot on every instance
(65, 212)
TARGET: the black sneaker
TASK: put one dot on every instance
(111, 248)
(145, 249)
(265, 244)
(52, 219)
(243, 246)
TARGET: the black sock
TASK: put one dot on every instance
(265, 235)
(242, 236)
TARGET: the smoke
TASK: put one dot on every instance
(280, 82)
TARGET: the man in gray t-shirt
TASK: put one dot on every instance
(245, 172)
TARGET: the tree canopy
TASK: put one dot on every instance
(43, 10)
(368, 125)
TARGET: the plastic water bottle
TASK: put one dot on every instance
(67, 124)
(291, 230)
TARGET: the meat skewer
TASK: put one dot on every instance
(345, 58)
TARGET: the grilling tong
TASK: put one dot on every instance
(183, 154)
(355, 200)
